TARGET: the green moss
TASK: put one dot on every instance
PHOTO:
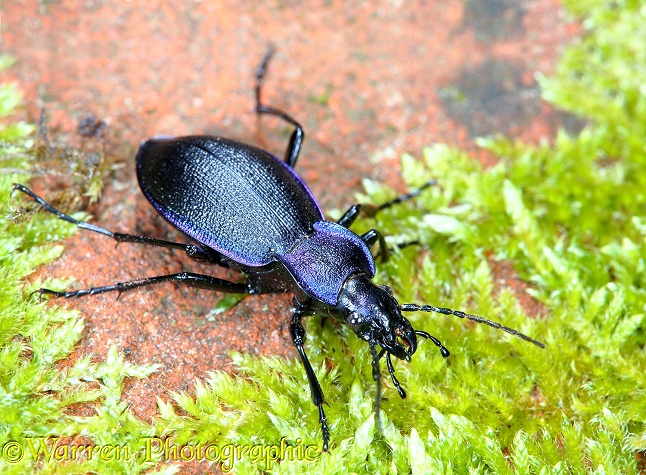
(36, 395)
(568, 217)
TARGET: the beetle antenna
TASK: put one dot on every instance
(438, 343)
(411, 307)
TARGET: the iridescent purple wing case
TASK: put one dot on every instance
(237, 199)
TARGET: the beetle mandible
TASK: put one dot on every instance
(249, 211)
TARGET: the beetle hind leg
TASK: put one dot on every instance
(193, 251)
(189, 278)
(296, 139)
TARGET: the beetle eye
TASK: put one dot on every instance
(354, 319)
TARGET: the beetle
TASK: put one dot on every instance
(247, 210)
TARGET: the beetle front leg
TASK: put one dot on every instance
(391, 370)
(298, 338)
(376, 376)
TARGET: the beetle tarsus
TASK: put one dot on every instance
(261, 70)
(325, 431)
(298, 339)
(40, 293)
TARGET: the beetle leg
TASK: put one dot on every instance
(298, 338)
(371, 210)
(391, 370)
(296, 139)
(194, 280)
(376, 376)
(371, 237)
(350, 216)
(193, 251)
(406, 197)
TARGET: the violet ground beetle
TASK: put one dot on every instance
(249, 211)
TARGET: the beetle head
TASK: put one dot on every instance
(374, 315)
